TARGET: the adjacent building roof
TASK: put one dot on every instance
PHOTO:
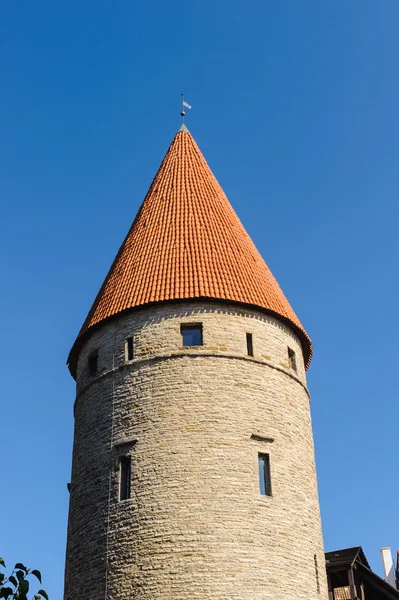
(346, 556)
(368, 584)
(187, 243)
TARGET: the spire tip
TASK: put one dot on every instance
(183, 105)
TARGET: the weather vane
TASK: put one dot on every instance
(184, 104)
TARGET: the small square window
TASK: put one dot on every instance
(192, 334)
(291, 359)
(264, 475)
(250, 345)
(125, 473)
(129, 348)
(92, 363)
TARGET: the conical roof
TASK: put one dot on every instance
(187, 242)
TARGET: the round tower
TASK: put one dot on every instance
(193, 464)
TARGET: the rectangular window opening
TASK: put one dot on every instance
(291, 359)
(125, 472)
(92, 363)
(191, 334)
(129, 348)
(250, 345)
(264, 475)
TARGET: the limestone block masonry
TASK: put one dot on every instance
(193, 420)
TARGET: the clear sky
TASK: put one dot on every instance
(295, 107)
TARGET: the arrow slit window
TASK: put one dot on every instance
(125, 474)
(250, 345)
(291, 359)
(92, 363)
(265, 486)
(129, 348)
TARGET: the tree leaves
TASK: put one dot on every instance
(19, 579)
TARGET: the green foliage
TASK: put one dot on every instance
(16, 585)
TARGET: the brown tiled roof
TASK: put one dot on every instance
(187, 242)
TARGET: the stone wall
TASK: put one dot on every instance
(193, 421)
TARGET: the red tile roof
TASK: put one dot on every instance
(187, 242)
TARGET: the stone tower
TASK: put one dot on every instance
(193, 472)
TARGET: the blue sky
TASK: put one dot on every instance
(295, 106)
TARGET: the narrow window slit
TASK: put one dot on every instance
(250, 345)
(129, 348)
(291, 359)
(92, 363)
(316, 568)
(264, 475)
(125, 472)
